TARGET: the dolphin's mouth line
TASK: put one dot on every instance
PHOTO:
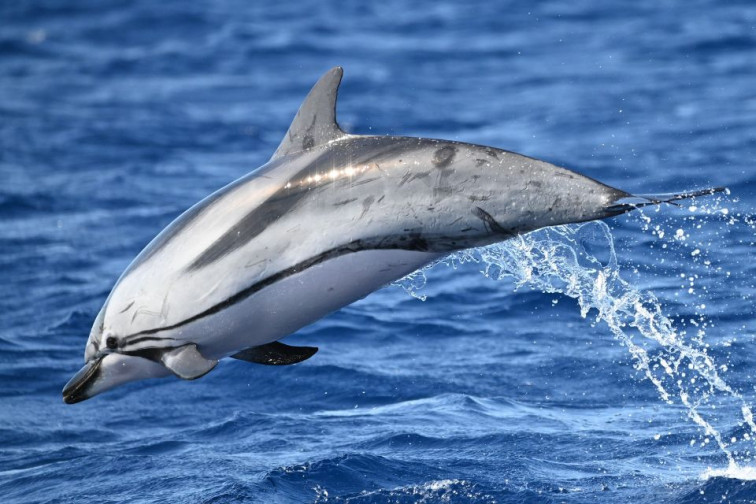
(75, 389)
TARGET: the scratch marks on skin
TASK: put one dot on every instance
(406, 178)
(209, 292)
(366, 204)
(164, 307)
(344, 202)
(491, 224)
(378, 167)
(555, 204)
(410, 177)
(252, 264)
(364, 181)
(564, 175)
(143, 311)
(412, 210)
(162, 314)
(474, 198)
(127, 307)
(442, 159)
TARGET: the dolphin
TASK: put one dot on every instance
(329, 219)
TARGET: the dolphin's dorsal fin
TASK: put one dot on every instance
(276, 354)
(315, 123)
(187, 362)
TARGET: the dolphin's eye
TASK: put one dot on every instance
(111, 342)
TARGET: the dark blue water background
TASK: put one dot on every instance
(117, 116)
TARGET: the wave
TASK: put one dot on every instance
(579, 261)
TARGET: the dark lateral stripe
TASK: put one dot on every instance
(251, 225)
(257, 220)
(373, 149)
(285, 199)
(142, 339)
(412, 242)
(244, 294)
(181, 223)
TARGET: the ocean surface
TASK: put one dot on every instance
(608, 362)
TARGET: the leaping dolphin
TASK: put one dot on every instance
(328, 220)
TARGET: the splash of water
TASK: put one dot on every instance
(579, 261)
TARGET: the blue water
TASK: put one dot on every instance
(624, 373)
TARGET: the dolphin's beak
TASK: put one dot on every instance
(104, 372)
(77, 388)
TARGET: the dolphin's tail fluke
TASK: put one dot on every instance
(632, 202)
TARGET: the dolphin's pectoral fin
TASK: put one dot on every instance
(187, 362)
(276, 354)
(315, 123)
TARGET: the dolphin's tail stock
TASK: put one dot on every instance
(633, 202)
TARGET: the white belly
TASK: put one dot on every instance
(298, 300)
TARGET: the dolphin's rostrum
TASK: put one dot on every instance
(329, 219)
